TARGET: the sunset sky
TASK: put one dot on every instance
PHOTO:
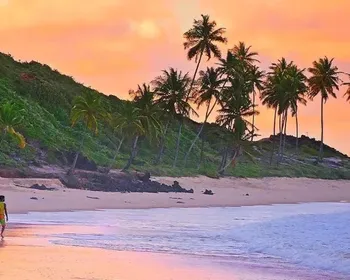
(112, 45)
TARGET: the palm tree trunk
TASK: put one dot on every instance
(274, 135)
(222, 159)
(296, 132)
(72, 169)
(231, 160)
(320, 157)
(178, 144)
(194, 76)
(285, 134)
(281, 126)
(198, 134)
(132, 154)
(253, 122)
(186, 100)
(202, 155)
(162, 144)
(116, 154)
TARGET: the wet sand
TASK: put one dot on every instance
(24, 256)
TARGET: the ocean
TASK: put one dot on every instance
(299, 241)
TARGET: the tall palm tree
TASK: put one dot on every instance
(87, 109)
(274, 96)
(257, 83)
(210, 86)
(11, 117)
(324, 81)
(269, 99)
(297, 91)
(171, 95)
(201, 40)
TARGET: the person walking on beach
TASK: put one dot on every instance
(3, 215)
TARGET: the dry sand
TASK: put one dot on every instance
(227, 192)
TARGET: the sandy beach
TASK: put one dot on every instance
(227, 192)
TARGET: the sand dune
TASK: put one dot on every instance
(227, 192)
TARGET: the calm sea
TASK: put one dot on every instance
(306, 241)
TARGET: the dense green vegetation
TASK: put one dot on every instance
(61, 119)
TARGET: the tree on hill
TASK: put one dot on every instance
(275, 95)
(324, 81)
(86, 109)
(232, 116)
(256, 81)
(171, 89)
(297, 91)
(137, 121)
(208, 93)
(201, 39)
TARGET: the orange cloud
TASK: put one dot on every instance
(112, 45)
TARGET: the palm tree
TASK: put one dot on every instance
(210, 86)
(87, 109)
(347, 93)
(201, 40)
(171, 88)
(143, 95)
(243, 53)
(324, 81)
(256, 81)
(135, 122)
(233, 116)
(11, 117)
(297, 91)
(274, 96)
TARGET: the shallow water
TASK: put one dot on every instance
(306, 241)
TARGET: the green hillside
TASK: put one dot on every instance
(47, 97)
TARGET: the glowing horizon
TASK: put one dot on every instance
(113, 46)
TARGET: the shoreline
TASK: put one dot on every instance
(228, 192)
(28, 248)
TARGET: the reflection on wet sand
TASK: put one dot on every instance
(25, 256)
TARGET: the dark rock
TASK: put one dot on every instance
(70, 181)
(247, 194)
(34, 198)
(93, 197)
(144, 177)
(180, 202)
(118, 182)
(42, 187)
(208, 192)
